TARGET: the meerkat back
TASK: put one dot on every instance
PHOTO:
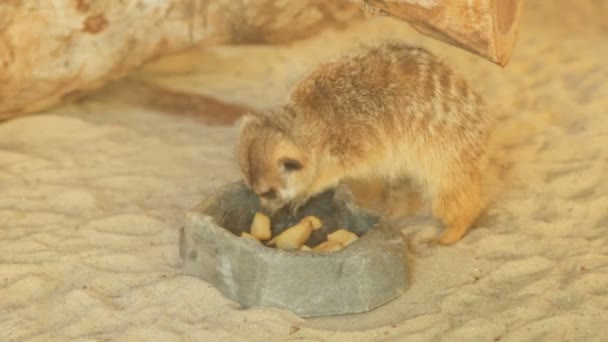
(395, 89)
(395, 110)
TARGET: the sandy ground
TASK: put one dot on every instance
(92, 196)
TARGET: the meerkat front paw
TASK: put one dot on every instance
(445, 239)
(296, 204)
(450, 236)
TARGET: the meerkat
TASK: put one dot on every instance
(387, 110)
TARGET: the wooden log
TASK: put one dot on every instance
(54, 51)
(488, 28)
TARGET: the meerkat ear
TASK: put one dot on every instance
(248, 119)
(267, 119)
(258, 119)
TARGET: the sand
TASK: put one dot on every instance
(92, 196)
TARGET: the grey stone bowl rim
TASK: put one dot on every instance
(379, 235)
(381, 224)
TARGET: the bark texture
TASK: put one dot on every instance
(488, 28)
(52, 51)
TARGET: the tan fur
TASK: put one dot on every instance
(387, 110)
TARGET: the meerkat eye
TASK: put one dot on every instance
(270, 194)
(291, 165)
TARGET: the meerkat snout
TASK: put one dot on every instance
(273, 166)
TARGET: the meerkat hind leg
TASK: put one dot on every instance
(458, 206)
(403, 198)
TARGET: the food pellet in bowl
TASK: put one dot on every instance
(273, 241)
(294, 237)
(328, 246)
(315, 221)
(260, 227)
(249, 236)
(342, 236)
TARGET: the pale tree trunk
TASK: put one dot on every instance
(51, 51)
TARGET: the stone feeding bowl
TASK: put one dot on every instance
(367, 273)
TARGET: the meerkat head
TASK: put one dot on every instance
(273, 165)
